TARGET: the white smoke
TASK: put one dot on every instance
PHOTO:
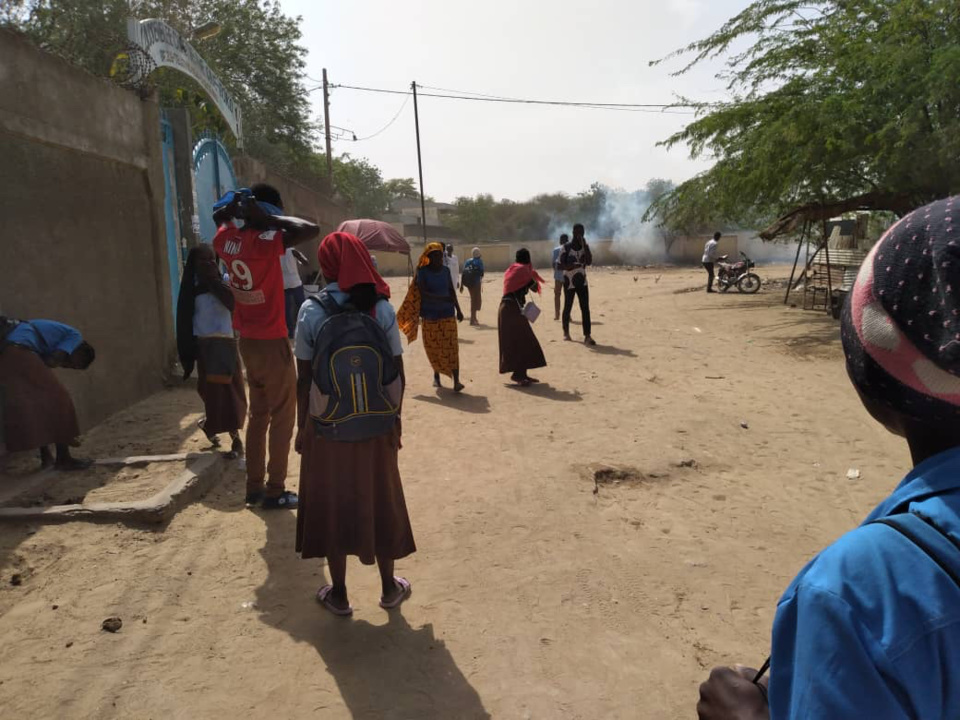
(635, 241)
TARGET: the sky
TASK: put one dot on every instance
(554, 50)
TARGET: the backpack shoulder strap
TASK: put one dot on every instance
(922, 532)
(326, 301)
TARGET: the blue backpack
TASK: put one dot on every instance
(356, 389)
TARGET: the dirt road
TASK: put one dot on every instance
(538, 593)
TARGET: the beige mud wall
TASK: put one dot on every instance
(83, 240)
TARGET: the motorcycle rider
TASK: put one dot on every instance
(709, 258)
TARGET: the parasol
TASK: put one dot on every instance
(376, 235)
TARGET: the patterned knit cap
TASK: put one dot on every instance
(901, 324)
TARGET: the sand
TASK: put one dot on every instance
(722, 426)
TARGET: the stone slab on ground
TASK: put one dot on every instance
(199, 476)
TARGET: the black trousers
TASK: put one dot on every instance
(583, 295)
(709, 268)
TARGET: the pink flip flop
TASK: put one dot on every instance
(323, 597)
(405, 586)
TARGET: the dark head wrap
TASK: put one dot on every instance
(901, 323)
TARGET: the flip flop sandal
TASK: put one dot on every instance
(405, 586)
(323, 597)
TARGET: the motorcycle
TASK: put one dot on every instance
(737, 274)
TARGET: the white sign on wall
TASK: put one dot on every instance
(167, 48)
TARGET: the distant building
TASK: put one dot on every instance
(405, 216)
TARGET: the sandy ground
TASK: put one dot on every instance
(534, 596)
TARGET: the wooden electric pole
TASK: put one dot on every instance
(423, 205)
(326, 128)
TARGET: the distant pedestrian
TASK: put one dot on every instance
(352, 496)
(558, 276)
(574, 261)
(452, 263)
(293, 293)
(205, 340)
(252, 237)
(472, 280)
(520, 350)
(37, 409)
(709, 258)
(432, 300)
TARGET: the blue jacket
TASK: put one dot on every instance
(871, 627)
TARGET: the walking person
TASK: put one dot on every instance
(252, 237)
(472, 280)
(293, 293)
(452, 263)
(432, 301)
(574, 260)
(558, 276)
(37, 409)
(520, 350)
(710, 258)
(205, 340)
(870, 628)
(352, 499)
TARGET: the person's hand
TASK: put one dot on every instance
(729, 694)
(298, 443)
(399, 433)
(459, 315)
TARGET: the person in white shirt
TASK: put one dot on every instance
(450, 261)
(293, 293)
(709, 258)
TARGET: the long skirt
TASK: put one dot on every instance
(224, 403)
(519, 348)
(351, 500)
(442, 346)
(476, 297)
(37, 409)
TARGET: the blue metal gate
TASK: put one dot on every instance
(213, 176)
(171, 216)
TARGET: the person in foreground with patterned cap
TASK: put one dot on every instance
(870, 628)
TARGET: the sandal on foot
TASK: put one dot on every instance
(405, 589)
(323, 597)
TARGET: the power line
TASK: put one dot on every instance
(392, 121)
(626, 107)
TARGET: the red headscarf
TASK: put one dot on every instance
(518, 276)
(343, 257)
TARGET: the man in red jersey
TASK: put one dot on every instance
(250, 240)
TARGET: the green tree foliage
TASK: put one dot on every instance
(257, 55)
(836, 105)
(402, 189)
(474, 217)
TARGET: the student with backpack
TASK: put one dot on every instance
(349, 396)
(870, 628)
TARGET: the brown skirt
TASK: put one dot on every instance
(351, 500)
(225, 404)
(37, 409)
(519, 348)
(476, 297)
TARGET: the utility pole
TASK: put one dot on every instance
(326, 128)
(423, 205)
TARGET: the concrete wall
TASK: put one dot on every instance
(298, 200)
(689, 250)
(81, 202)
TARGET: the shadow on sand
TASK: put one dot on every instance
(382, 671)
(548, 392)
(477, 404)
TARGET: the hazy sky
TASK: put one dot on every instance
(542, 49)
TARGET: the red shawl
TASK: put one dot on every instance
(518, 276)
(344, 258)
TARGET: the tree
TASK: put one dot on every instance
(836, 105)
(401, 189)
(474, 217)
(360, 183)
(257, 55)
